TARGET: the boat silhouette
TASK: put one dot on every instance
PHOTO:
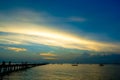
(101, 64)
(74, 64)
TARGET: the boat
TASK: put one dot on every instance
(74, 64)
(101, 64)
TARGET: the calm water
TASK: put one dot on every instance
(67, 72)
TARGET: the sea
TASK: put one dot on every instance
(67, 72)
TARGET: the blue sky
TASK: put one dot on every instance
(60, 30)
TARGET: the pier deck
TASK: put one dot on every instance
(6, 68)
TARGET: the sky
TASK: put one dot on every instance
(60, 31)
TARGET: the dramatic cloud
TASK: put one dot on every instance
(16, 49)
(24, 36)
(22, 33)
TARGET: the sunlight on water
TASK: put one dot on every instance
(67, 72)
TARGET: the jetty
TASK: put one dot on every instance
(9, 67)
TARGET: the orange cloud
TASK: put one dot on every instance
(48, 55)
(49, 58)
(16, 49)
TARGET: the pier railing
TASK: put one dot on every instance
(11, 67)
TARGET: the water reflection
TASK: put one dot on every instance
(67, 72)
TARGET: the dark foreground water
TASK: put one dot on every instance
(67, 72)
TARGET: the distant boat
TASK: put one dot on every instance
(74, 64)
(101, 64)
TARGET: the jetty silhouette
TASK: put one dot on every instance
(9, 67)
